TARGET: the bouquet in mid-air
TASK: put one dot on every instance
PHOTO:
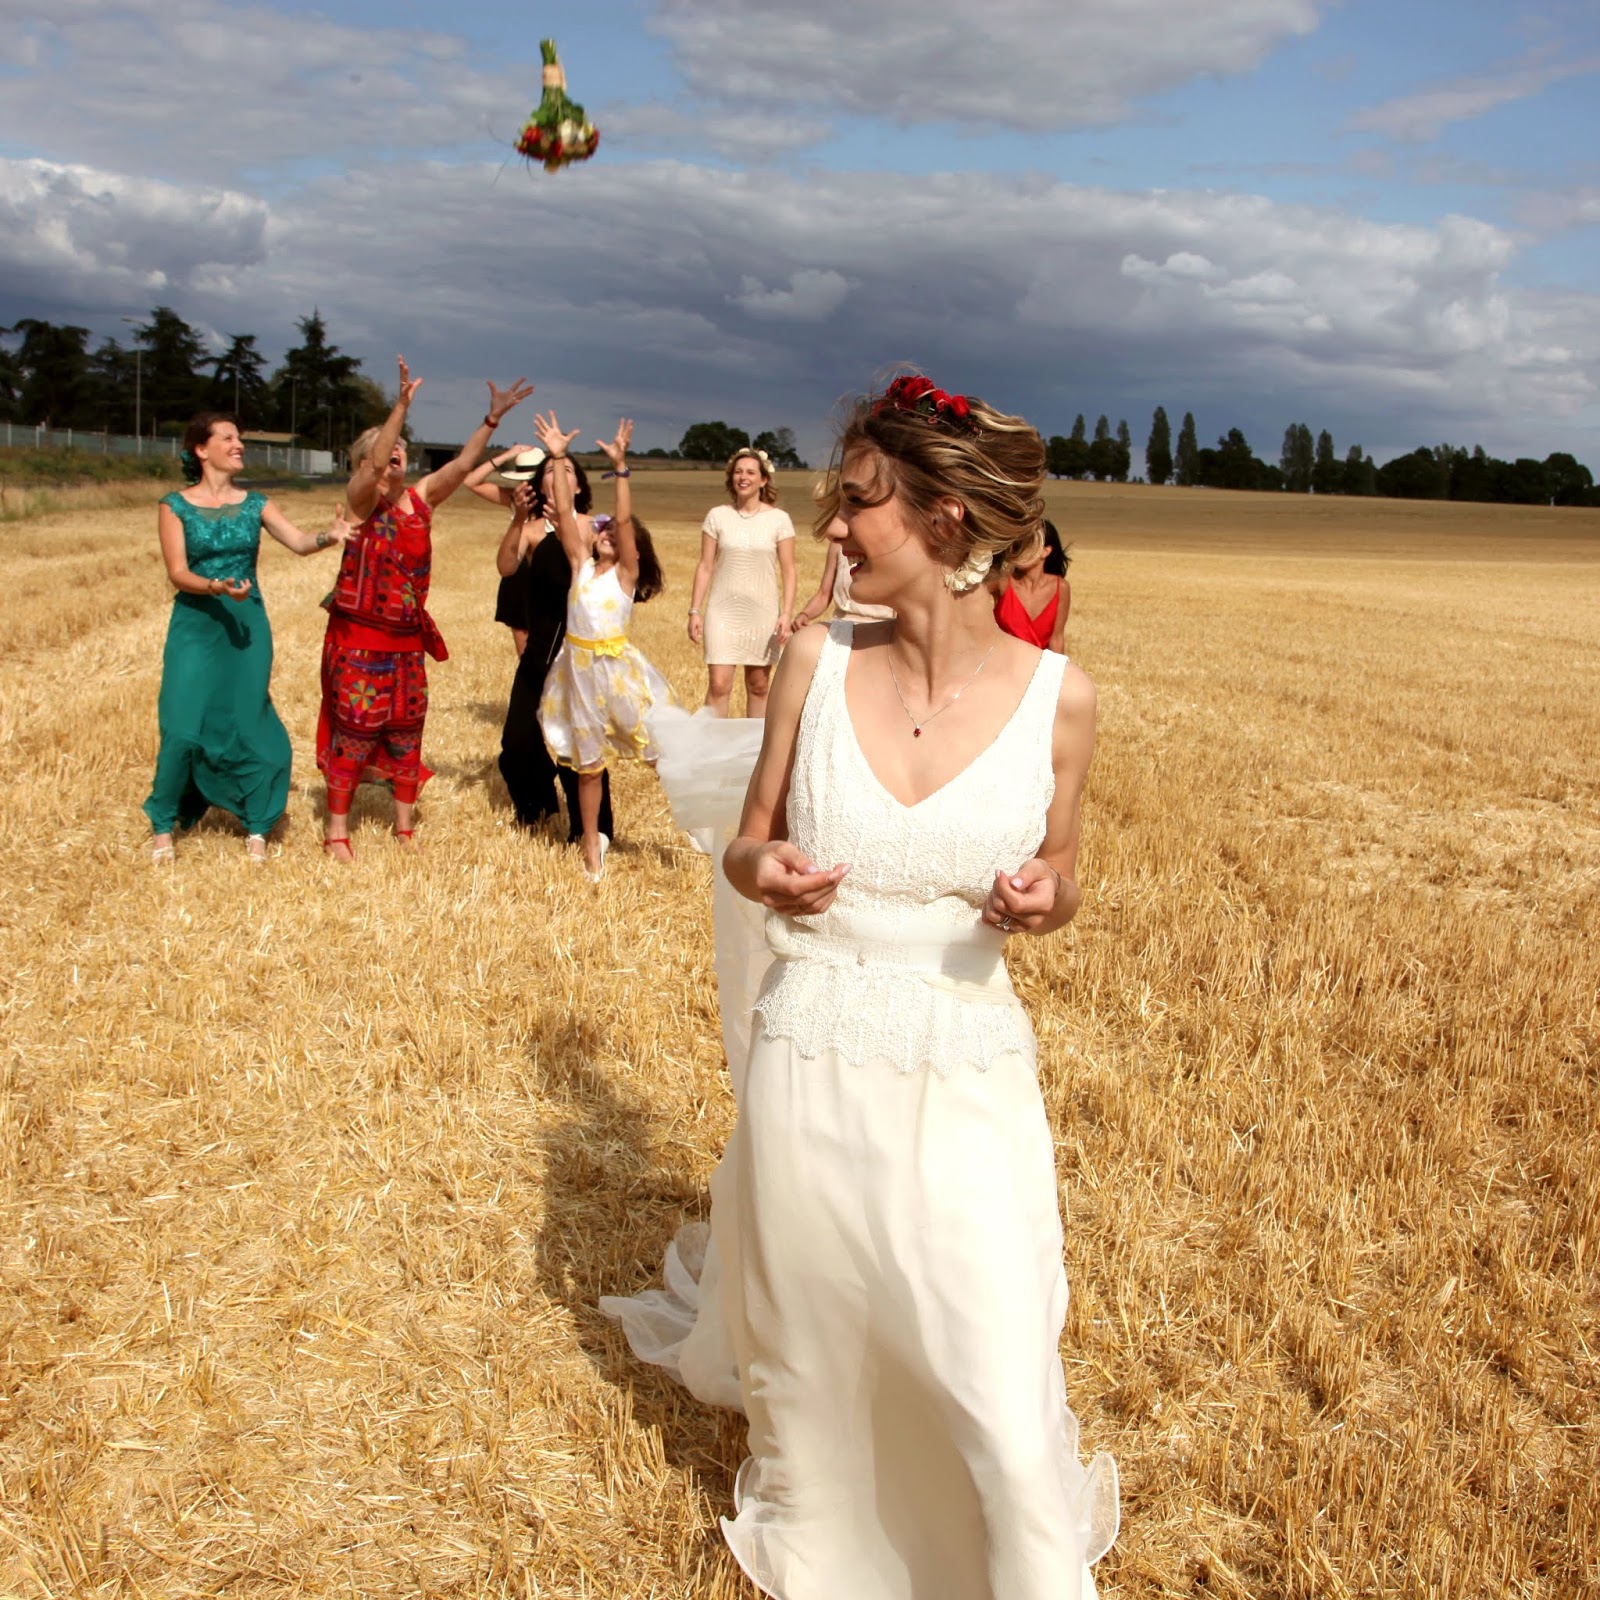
(557, 133)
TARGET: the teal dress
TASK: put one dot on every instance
(221, 741)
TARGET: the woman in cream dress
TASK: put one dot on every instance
(746, 549)
(882, 1291)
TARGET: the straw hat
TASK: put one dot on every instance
(523, 467)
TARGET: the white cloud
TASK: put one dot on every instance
(1557, 210)
(207, 90)
(1032, 64)
(813, 295)
(1423, 116)
(74, 231)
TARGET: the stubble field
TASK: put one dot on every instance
(310, 1176)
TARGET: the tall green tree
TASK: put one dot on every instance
(239, 381)
(1102, 450)
(1122, 456)
(1297, 459)
(1186, 458)
(711, 441)
(1327, 474)
(1360, 476)
(315, 393)
(1158, 448)
(171, 381)
(11, 379)
(780, 447)
(1567, 479)
(114, 373)
(57, 384)
(1075, 458)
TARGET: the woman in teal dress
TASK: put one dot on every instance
(221, 741)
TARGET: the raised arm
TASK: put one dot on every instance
(517, 540)
(616, 452)
(368, 474)
(573, 539)
(292, 538)
(437, 487)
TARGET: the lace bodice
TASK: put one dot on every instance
(901, 966)
(222, 541)
(597, 608)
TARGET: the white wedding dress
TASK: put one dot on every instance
(883, 1290)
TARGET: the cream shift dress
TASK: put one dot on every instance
(741, 610)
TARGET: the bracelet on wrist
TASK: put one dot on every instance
(491, 423)
(694, 611)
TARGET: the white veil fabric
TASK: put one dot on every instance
(705, 768)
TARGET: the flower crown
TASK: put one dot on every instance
(922, 398)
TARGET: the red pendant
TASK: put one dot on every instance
(916, 733)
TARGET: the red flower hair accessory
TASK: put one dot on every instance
(922, 398)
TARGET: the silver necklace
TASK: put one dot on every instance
(917, 727)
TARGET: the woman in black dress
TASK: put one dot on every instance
(535, 576)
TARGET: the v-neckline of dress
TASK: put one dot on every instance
(960, 773)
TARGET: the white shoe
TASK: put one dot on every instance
(605, 844)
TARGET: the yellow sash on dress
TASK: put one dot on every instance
(614, 646)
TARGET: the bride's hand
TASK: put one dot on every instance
(786, 881)
(1021, 900)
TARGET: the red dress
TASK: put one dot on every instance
(374, 677)
(1012, 615)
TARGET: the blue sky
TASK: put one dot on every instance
(1377, 218)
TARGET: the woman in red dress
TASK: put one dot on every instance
(374, 679)
(1033, 603)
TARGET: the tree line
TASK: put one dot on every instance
(1314, 466)
(716, 441)
(49, 377)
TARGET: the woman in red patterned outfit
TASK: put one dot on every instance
(374, 679)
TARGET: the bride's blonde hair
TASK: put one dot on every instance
(932, 446)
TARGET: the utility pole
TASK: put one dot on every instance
(138, 388)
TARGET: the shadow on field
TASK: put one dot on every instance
(492, 712)
(615, 1193)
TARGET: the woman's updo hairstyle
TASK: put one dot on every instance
(932, 446)
(196, 436)
(769, 489)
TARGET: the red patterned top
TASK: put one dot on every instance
(1012, 615)
(380, 598)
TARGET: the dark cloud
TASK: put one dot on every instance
(676, 292)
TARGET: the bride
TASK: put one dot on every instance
(884, 1293)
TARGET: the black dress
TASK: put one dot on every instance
(534, 598)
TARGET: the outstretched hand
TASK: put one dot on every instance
(555, 442)
(344, 529)
(502, 400)
(788, 882)
(408, 384)
(616, 452)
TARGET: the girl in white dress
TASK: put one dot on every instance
(735, 610)
(883, 1291)
(600, 688)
